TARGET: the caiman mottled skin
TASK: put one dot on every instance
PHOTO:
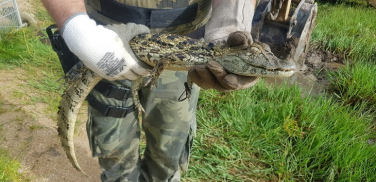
(165, 51)
(181, 53)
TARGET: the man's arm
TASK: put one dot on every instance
(99, 48)
(60, 11)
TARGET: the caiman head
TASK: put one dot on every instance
(256, 59)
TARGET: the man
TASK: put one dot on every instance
(169, 121)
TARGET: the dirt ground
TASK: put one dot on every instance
(312, 77)
(30, 135)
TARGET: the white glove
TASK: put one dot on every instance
(101, 49)
(228, 17)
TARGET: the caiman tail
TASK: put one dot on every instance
(80, 81)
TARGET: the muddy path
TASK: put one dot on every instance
(312, 77)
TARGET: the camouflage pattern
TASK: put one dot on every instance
(169, 127)
(93, 8)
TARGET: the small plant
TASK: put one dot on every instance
(355, 84)
(9, 168)
(36, 127)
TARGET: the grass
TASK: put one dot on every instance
(362, 3)
(347, 30)
(355, 84)
(350, 31)
(23, 49)
(275, 134)
(9, 168)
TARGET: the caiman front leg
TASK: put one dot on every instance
(159, 67)
(135, 87)
(136, 84)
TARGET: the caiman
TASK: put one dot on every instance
(170, 52)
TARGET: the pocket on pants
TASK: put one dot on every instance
(186, 154)
(112, 137)
(103, 134)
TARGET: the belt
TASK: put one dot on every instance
(152, 18)
(112, 91)
(107, 110)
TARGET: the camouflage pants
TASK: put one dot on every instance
(169, 127)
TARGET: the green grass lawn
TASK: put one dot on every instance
(276, 134)
(355, 84)
(347, 30)
(263, 132)
(350, 31)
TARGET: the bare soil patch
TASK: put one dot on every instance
(25, 6)
(29, 133)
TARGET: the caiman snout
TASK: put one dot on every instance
(281, 64)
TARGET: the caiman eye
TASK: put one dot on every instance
(255, 50)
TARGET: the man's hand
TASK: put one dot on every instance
(214, 76)
(227, 17)
(101, 49)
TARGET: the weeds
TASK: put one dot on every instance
(357, 3)
(23, 49)
(277, 135)
(355, 84)
(9, 168)
(2, 110)
(36, 127)
(347, 30)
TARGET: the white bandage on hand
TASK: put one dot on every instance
(101, 49)
(228, 17)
